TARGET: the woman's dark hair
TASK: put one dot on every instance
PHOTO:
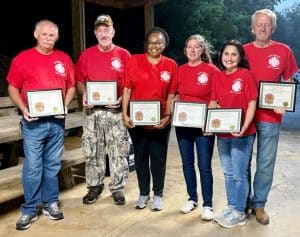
(161, 31)
(243, 60)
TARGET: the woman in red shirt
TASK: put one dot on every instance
(150, 76)
(235, 87)
(194, 85)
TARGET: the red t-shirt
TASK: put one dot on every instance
(151, 82)
(31, 70)
(235, 90)
(194, 83)
(270, 64)
(96, 65)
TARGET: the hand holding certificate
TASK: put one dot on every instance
(145, 112)
(223, 120)
(274, 95)
(188, 114)
(45, 103)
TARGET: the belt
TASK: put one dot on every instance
(102, 108)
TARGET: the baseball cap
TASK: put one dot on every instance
(103, 19)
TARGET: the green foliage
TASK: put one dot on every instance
(288, 29)
(216, 20)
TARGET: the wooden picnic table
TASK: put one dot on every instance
(10, 126)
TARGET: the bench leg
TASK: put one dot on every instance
(65, 178)
(10, 154)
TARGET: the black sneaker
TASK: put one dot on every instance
(53, 211)
(25, 221)
(93, 194)
(119, 198)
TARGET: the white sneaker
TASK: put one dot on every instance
(207, 214)
(188, 206)
(141, 203)
(157, 204)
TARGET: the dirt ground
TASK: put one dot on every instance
(106, 219)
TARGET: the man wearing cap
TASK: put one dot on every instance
(103, 130)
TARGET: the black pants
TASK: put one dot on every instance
(150, 145)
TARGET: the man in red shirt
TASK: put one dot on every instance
(269, 61)
(104, 131)
(41, 68)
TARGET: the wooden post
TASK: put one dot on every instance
(149, 16)
(78, 26)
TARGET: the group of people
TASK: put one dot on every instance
(107, 130)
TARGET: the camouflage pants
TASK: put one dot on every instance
(104, 133)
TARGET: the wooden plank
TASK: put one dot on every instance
(10, 177)
(6, 102)
(10, 129)
(122, 4)
(7, 107)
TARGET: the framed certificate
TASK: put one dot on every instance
(145, 112)
(101, 92)
(277, 95)
(223, 120)
(187, 114)
(45, 103)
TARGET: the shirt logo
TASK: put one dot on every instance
(274, 61)
(237, 86)
(59, 68)
(165, 76)
(202, 78)
(116, 64)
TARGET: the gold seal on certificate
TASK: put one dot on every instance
(188, 114)
(44, 103)
(101, 92)
(223, 120)
(277, 95)
(145, 112)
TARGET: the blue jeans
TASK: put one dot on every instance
(235, 155)
(43, 142)
(186, 138)
(267, 142)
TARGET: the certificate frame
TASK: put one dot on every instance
(144, 112)
(43, 103)
(223, 120)
(101, 92)
(189, 114)
(277, 95)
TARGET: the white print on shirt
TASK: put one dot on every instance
(165, 76)
(274, 61)
(202, 78)
(59, 68)
(237, 86)
(116, 64)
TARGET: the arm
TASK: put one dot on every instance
(15, 96)
(82, 90)
(248, 118)
(69, 97)
(213, 104)
(164, 121)
(125, 102)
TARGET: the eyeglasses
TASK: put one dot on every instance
(155, 42)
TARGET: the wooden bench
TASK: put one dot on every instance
(11, 178)
(10, 131)
(10, 139)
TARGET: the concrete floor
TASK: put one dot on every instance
(106, 219)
